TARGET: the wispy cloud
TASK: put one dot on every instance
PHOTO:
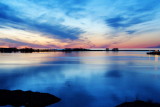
(71, 21)
(14, 43)
(7, 18)
(133, 14)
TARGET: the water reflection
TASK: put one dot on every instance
(84, 79)
(13, 60)
(156, 58)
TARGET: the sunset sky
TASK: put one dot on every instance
(80, 23)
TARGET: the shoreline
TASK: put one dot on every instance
(31, 50)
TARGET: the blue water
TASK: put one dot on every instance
(84, 79)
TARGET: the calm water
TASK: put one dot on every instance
(84, 79)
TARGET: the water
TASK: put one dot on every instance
(84, 79)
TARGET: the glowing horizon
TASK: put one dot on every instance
(80, 23)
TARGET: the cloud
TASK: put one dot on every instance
(132, 14)
(72, 20)
(131, 31)
(141, 7)
(15, 43)
(122, 22)
(156, 46)
(8, 18)
(7, 13)
(57, 31)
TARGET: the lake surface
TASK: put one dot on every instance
(84, 79)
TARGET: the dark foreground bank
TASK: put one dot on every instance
(139, 103)
(26, 98)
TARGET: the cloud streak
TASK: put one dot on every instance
(134, 14)
(71, 21)
(55, 31)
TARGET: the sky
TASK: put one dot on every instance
(80, 23)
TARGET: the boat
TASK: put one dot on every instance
(156, 52)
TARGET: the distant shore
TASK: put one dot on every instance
(30, 50)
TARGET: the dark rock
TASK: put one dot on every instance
(139, 103)
(26, 98)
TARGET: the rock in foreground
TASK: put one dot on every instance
(139, 103)
(26, 98)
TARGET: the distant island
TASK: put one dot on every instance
(156, 52)
(30, 50)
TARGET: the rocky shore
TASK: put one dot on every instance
(139, 103)
(26, 98)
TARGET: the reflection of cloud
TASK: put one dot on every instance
(51, 79)
(77, 94)
(115, 70)
(114, 73)
(115, 97)
(17, 60)
(85, 80)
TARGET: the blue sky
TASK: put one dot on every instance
(79, 23)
